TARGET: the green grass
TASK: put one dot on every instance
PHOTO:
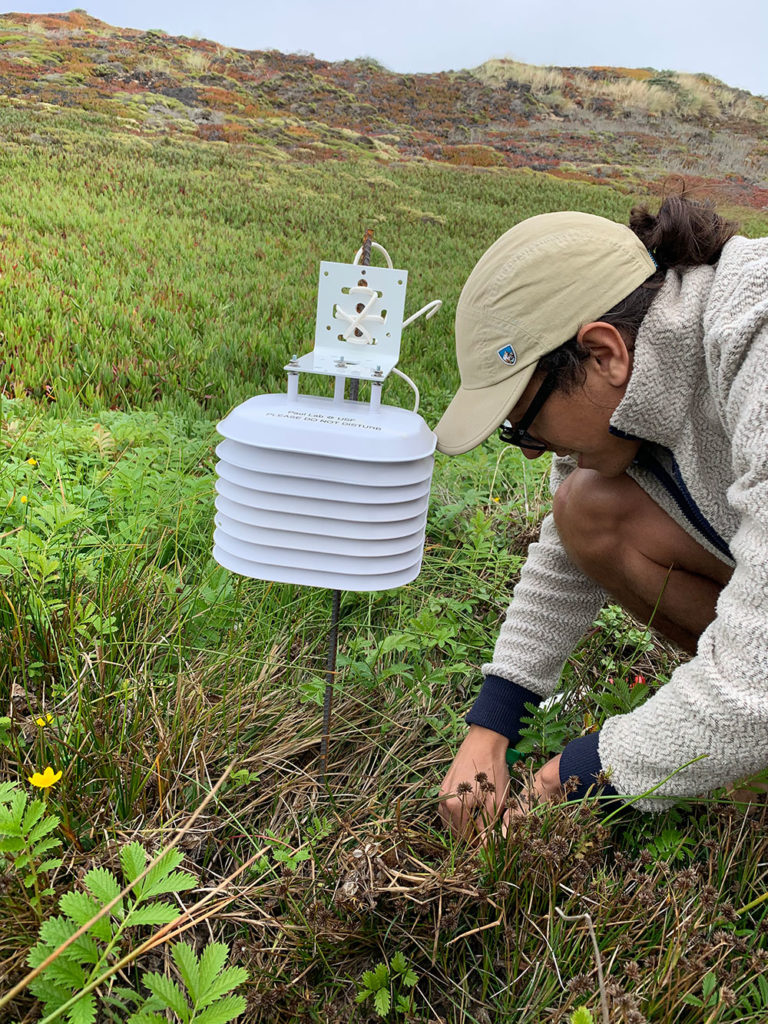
(146, 289)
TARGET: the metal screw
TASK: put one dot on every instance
(294, 359)
(378, 372)
(340, 361)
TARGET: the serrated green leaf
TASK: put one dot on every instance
(225, 982)
(7, 790)
(56, 930)
(582, 1016)
(169, 993)
(84, 1010)
(398, 962)
(709, 983)
(189, 969)
(50, 865)
(221, 1012)
(16, 807)
(80, 908)
(52, 843)
(382, 1001)
(409, 979)
(67, 972)
(33, 813)
(103, 886)
(212, 961)
(176, 881)
(142, 1016)
(49, 992)
(11, 844)
(42, 828)
(167, 861)
(692, 1000)
(133, 858)
(362, 996)
(152, 913)
(376, 978)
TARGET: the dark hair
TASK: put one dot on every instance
(684, 233)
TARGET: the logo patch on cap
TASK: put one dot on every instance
(508, 355)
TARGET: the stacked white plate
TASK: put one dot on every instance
(323, 492)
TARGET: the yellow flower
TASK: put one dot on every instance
(46, 779)
(24, 499)
(31, 462)
(46, 720)
(497, 499)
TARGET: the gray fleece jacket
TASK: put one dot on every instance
(698, 398)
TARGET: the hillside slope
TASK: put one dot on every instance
(631, 127)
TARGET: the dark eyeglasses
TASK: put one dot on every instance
(518, 434)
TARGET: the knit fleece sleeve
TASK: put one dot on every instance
(715, 707)
(552, 606)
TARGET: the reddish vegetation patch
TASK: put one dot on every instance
(473, 156)
(453, 117)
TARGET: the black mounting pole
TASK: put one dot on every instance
(330, 675)
(333, 636)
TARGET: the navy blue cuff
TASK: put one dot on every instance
(581, 759)
(500, 705)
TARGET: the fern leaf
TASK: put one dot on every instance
(222, 1011)
(189, 969)
(381, 1002)
(169, 993)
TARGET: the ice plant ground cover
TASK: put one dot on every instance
(149, 284)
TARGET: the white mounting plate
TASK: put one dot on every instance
(349, 343)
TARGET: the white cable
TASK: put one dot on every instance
(374, 245)
(430, 309)
(408, 380)
(432, 306)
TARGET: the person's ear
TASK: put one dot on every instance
(608, 352)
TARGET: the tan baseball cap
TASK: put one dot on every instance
(528, 294)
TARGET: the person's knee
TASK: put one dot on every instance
(589, 510)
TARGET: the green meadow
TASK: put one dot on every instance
(147, 287)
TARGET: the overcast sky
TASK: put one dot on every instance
(725, 39)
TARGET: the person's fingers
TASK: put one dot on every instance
(457, 808)
(468, 809)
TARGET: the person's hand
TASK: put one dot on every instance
(477, 782)
(545, 786)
